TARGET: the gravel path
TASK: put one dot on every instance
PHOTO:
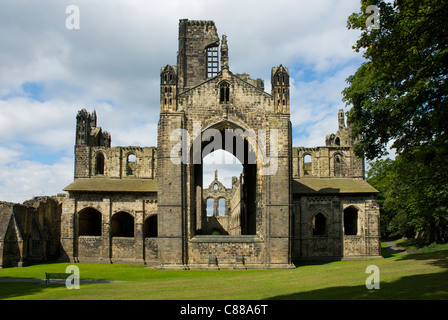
(392, 248)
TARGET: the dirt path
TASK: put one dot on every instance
(392, 248)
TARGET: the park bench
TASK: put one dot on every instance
(56, 276)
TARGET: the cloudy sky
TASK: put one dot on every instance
(112, 63)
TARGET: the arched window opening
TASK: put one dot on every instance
(221, 207)
(337, 141)
(122, 225)
(89, 222)
(99, 164)
(167, 77)
(337, 165)
(210, 208)
(131, 164)
(132, 158)
(319, 225)
(307, 165)
(236, 159)
(224, 93)
(351, 221)
(150, 226)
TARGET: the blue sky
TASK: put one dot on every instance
(112, 64)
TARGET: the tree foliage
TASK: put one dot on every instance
(413, 197)
(399, 96)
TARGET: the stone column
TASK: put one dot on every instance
(106, 236)
(170, 194)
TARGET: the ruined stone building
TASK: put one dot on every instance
(30, 232)
(151, 205)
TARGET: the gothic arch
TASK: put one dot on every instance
(338, 164)
(243, 147)
(319, 223)
(224, 91)
(89, 222)
(122, 224)
(351, 215)
(222, 203)
(150, 226)
(131, 163)
(235, 130)
(307, 163)
(100, 161)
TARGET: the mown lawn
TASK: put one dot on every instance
(412, 276)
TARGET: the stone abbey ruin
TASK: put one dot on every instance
(150, 205)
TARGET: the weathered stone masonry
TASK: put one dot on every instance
(148, 205)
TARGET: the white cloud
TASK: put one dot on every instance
(23, 180)
(315, 105)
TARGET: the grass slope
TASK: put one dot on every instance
(412, 276)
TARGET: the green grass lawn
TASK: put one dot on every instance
(411, 276)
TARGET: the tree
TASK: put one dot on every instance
(399, 95)
(410, 198)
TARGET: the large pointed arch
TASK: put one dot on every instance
(233, 138)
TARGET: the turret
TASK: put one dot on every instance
(280, 89)
(83, 125)
(341, 122)
(224, 53)
(87, 132)
(168, 89)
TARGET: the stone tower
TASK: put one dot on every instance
(216, 109)
(87, 135)
(280, 89)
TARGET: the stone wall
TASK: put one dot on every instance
(106, 247)
(29, 232)
(226, 252)
(338, 162)
(116, 162)
(332, 242)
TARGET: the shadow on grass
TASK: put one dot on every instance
(11, 290)
(432, 286)
(427, 286)
(436, 258)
